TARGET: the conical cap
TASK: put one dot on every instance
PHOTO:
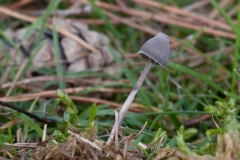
(157, 49)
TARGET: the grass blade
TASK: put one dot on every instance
(51, 7)
(194, 74)
(225, 15)
(30, 122)
(236, 52)
(57, 53)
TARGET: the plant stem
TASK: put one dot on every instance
(129, 100)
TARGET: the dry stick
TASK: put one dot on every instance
(140, 132)
(86, 141)
(40, 79)
(121, 3)
(195, 5)
(73, 80)
(89, 21)
(17, 5)
(17, 76)
(233, 11)
(116, 131)
(43, 120)
(60, 13)
(223, 4)
(127, 139)
(93, 154)
(146, 15)
(130, 98)
(181, 12)
(146, 29)
(27, 97)
(19, 136)
(217, 126)
(74, 146)
(71, 91)
(66, 79)
(13, 56)
(126, 147)
(194, 121)
(23, 145)
(44, 132)
(49, 26)
(11, 123)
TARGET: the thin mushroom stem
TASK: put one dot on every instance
(129, 100)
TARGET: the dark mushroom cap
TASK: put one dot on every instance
(157, 49)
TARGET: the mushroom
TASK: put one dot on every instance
(154, 51)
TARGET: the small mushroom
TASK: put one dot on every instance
(154, 51)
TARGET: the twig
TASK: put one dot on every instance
(140, 132)
(128, 22)
(93, 21)
(66, 12)
(44, 132)
(27, 97)
(44, 120)
(233, 11)
(195, 120)
(223, 4)
(79, 89)
(22, 145)
(66, 79)
(11, 123)
(196, 5)
(13, 56)
(160, 141)
(215, 122)
(17, 76)
(18, 4)
(85, 140)
(126, 146)
(181, 12)
(148, 15)
(116, 131)
(121, 3)
(93, 154)
(19, 136)
(146, 29)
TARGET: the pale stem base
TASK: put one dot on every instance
(129, 100)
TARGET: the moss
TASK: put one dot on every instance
(71, 110)
(227, 145)
(227, 112)
(181, 143)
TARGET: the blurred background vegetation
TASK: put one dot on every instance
(88, 50)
